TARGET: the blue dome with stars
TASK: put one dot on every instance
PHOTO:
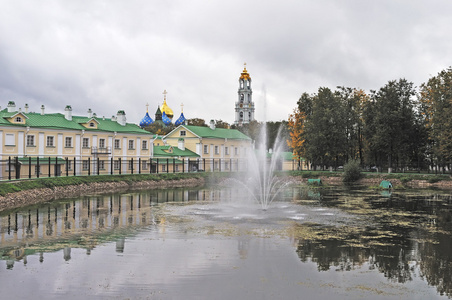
(146, 121)
(181, 120)
(165, 119)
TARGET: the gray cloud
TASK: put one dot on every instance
(111, 55)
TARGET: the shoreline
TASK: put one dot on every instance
(41, 195)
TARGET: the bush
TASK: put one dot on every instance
(352, 171)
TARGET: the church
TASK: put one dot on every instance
(244, 107)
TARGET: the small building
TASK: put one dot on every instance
(220, 149)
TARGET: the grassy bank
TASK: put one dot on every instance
(403, 177)
(23, 185)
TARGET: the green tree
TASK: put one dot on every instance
(436, 108)
(390, 120)
(196, 122)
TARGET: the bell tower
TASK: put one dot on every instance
(244, 107)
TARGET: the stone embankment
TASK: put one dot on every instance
(35, 196)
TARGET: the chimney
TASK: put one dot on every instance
(212, 124)
(26, 108)
(181, 144)
(113, 118)
(121, 117)
(68, 113)
(43, 108)
(90, 113)
(11, 106)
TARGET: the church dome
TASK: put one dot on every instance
(146, 121)
(245, 75)
(181, 120)
(165, 119)
(165, 109)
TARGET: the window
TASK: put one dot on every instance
(38, 169)
(101, 143)
(91, 124)
(226, 166)
(18, 120)
(117, 144)
(226, 150)
(101, 165)
(85, 143)
(183, 133)
(144, 145)
(85, 165)
(68, 142)
(50, 141)
(116, 164)
(177, 168)
(69, 165)
(163, 168)
(236, 150)
(10, 139)
(144, 165)
(131, 144)
(30, 140)
(130, 164)
(206, 149)
(216, 150)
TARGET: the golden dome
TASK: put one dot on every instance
(165, 108)
(245, 75)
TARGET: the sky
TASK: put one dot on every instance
(121, 55)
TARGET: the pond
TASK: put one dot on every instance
(211, 243)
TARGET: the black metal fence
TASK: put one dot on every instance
(37, 167)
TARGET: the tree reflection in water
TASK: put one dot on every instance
(402, 236)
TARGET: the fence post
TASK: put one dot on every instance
(75, 166)
(139, 165)
(183, 164)
(120, 165)
(9, 168)
(174, 165)
(167, 165)
(37, 166)
(157, 166)
(98, 166)
(89, 166)
(17, 168)
(111, 166)
(49, 165)
(29, 167)
(67, 166)
(57, 173)
(131, 165)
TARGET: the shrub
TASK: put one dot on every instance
(352, 171)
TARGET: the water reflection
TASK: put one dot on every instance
(85, 222)
(403, 235)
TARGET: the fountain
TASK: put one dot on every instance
(260, 180)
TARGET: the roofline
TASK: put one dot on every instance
(185, 129)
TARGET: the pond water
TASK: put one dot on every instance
(211, 243)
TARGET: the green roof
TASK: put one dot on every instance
(162, 152)
(58, 121)
(222, 133)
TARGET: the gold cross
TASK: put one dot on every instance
(182, 107)
(164, 94)
(147, 106)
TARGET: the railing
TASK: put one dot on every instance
(37, 167)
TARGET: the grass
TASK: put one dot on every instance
(17, 186)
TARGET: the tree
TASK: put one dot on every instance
(196, 122)
(296, 125)
(390, 121)
(221, 124)
(436, 108)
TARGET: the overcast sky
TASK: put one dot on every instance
(119, 55)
